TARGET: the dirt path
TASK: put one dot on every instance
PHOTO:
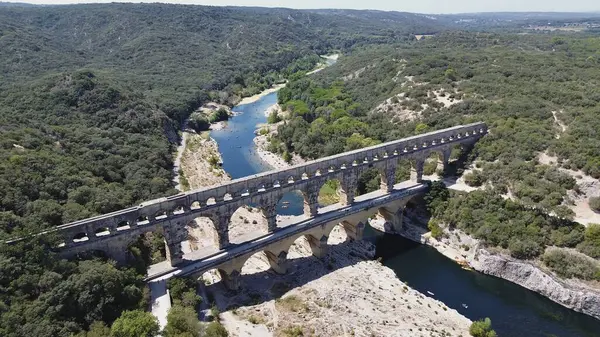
(562, 126)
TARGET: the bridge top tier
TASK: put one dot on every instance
(246, 186)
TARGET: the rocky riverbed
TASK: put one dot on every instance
(345, 294)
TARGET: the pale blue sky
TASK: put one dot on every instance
(418, 6)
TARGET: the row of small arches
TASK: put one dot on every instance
(162, 215)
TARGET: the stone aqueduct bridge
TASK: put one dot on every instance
(112, 233)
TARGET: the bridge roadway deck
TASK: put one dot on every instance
(209, 258)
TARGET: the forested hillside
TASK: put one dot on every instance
(91, 99)
(538, 93)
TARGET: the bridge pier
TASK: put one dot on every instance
(348, 185)
(173, 238)
(354, 231)
(279, 262)
(231, 279)
(388, 178)
(442, 164)
(311, 199)
(416, 172)
(221, 223)
(318, 246)
(269, 210)
(395, 219)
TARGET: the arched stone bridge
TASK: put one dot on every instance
(112, 233)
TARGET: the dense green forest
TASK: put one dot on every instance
(537, 93)
(91, 100)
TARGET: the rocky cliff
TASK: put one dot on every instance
(565, 292)
(457, 245)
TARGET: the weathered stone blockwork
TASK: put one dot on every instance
(113, 233)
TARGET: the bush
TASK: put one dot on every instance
(198, 123)
(436, 231)
(591, 242)
(219, 115)
(595, 204)
(182, 321)
(524, 249)
(482, 328)
(215, 329)
(474, 179)
(273, 118)
(571, 265)
(135, 323)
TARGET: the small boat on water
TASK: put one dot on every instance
(286, 202)
(430, 293)
(284, 206)
(465, 306)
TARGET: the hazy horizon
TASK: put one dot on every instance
(423, 6)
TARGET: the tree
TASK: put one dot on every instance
(219, 115)
(482, 328)
(182, 321)
(474, 178)
(215, 329)
(287, 157)
(436, 231)
(136, 323)
(273, 118)
(595, 204)
(198, 123)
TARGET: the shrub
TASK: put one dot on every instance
(595, 204)
(198, 123)
(182, 321)
(524, 249)
(474, 178)
(135, 323)
(219, 115)
(571, 265)
(215, 329)
(482, 328)
(436, 231)
(273, 118)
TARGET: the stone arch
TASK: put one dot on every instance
(200, 233)
(263, 261)
(102, 231)
(336, 234)
(301, 246)
(368, 180)
(96, 253)
(290, 203)
(161, 215)
(436, 162)
(247, 219)
(329, 191)
(211, 201)
(144, 249)
(123, 225)
(80, 237)
(195, 205)
(142, 220)
(180, 209)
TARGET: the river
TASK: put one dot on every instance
(514, 311)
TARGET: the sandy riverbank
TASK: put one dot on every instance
(254, 98)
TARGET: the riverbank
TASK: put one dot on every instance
(468, 251)
(254, 98)
(344, 294)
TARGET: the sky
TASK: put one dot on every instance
(416, 6)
